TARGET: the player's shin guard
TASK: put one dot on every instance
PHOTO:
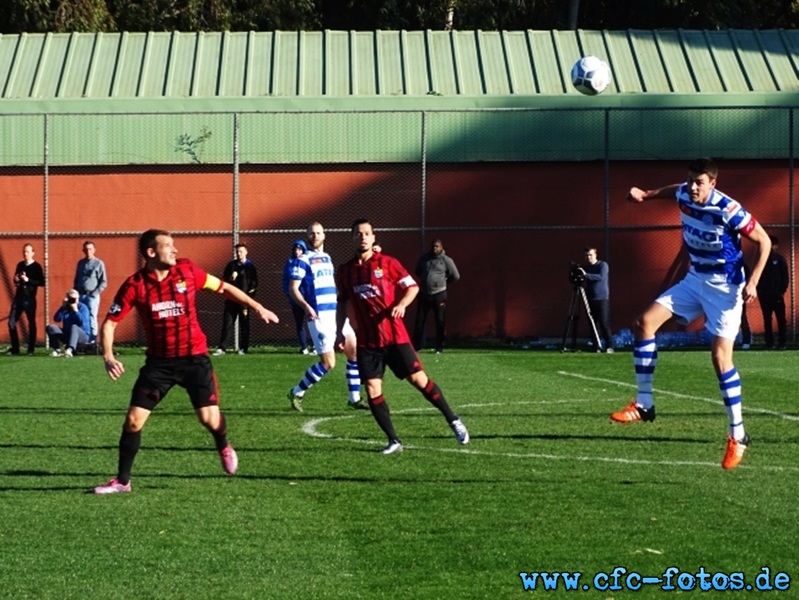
(312, 376)
(220, 433)
(645, 358)
(730, 387)
(382, 415)
(435, 396)
(353, 380)
(129, 443)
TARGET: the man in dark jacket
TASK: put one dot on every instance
(28, 277)
(241, 273)
(435, 270)
(770, 291)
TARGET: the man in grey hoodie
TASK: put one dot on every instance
(434, 270)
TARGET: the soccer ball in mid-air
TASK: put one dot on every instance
(590, 75)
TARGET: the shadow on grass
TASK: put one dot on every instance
(119, 410)
(176, 410)
(590, 438)
(155, 481)
(53, 410)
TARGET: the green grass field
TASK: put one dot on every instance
(547, 484)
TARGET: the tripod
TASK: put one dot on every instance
(578, 295)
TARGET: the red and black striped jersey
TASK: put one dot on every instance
(371, 289)
(167, 308)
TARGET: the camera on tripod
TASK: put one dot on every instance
(576, 274)
(579, 298)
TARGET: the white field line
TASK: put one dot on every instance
(716, 401)
(311, 428)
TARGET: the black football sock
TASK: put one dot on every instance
(435, 396)
(220, 434)
(129, 443)
(382, 415)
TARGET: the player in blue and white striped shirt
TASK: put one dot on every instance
(320, 309)
(713, 224)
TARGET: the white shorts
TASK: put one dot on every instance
(720, 303)
(323, 332)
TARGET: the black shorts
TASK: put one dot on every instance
(158, 375)
(400, 358)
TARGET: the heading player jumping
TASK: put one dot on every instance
(714, 287)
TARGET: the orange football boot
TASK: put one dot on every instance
(633, 412)
(735, 451)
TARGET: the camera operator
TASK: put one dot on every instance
(597, 290)
(75, 320)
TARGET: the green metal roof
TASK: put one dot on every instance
(487, 65)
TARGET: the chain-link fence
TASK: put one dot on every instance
(515, 196)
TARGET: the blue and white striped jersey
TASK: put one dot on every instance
(324, 277)
(712, 235)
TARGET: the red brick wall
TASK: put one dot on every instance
(512, 228)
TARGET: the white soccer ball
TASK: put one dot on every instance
(590, 75)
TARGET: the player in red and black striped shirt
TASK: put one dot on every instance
(163, 293)
(377, 289)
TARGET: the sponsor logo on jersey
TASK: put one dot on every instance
(167, 308)
(733, 207)
(114, 309)
(701, 239)
(366, 290)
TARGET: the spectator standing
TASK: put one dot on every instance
(597, 291)
(164, 294)
(28, 278)
(293, 266)
(771, 292)
(241, 273)
(377, 290)
(435, 271)
(90, 281)
(75, 320)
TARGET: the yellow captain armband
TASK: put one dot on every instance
(214, 284)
